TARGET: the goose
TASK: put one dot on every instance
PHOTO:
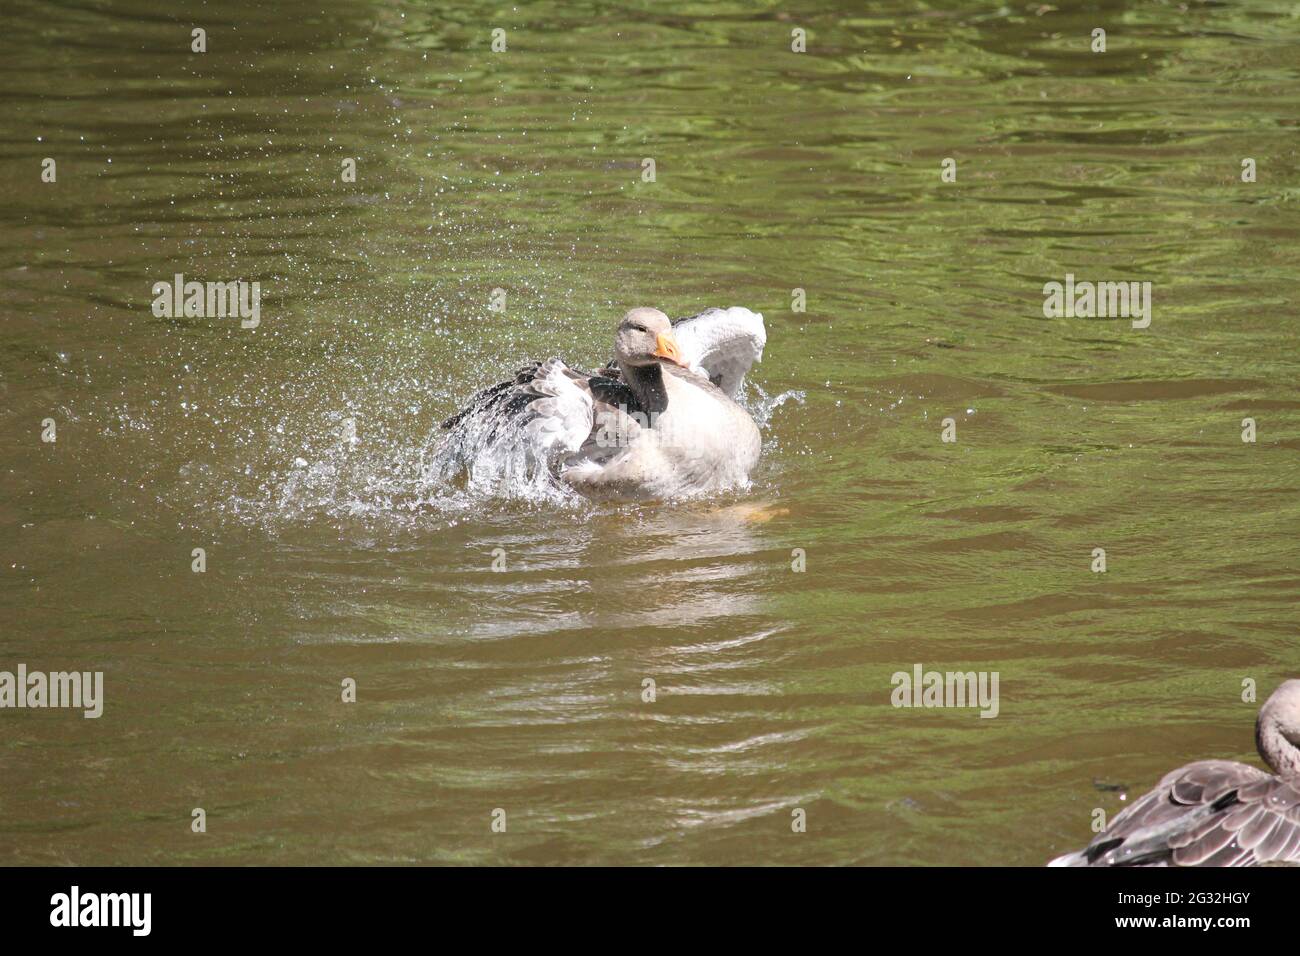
(1216, 812)
(660, 421)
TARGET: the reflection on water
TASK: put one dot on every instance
(298, 454)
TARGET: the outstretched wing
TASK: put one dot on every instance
(1209, 813)
(521, 427)
(722, 344)
(559, 418)
(543, 420)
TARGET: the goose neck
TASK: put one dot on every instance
(647, 383)
(1278, 752)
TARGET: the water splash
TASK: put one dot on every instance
(366, 469)
(491, 457)
(762, 409)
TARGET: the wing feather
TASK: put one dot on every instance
(516, 433)
(1209, 813)
(560, 418)
(722, 344)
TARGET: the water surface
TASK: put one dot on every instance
(296, 454)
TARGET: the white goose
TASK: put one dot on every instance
(660, 421)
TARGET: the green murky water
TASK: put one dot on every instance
(295, 453)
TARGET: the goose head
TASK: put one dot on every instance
(1277, 731)
(645, 337)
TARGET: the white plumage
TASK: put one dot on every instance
(722, 344)
(661, 421)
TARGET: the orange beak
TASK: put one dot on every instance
(666, 347)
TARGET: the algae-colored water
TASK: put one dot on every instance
(295, 454)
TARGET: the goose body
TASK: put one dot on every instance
(660, 421)
(1216, 812)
